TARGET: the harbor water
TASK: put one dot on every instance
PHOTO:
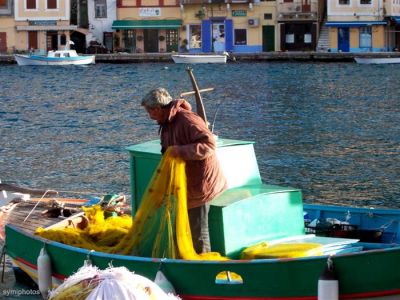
(329, 129)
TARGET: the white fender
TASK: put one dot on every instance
(44, 273)
(162, 281)
(328, 284)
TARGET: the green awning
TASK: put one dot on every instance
(147, 24)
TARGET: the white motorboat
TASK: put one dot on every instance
(377, 60)
(200, 58)
(55, 58)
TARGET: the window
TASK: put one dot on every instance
(194, 36)
(365, 37)
(100, 7)
(289, 38)
(267, 16)
(240, 37)
(51, 4)
(365, 2)
(172, 40)
(344, 2)
(30, 4)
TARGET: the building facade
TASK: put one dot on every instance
(7, 27)
(233, 26)
(357, 26)
(147, 26)
(42, 25)
(101, 15)
(199, 26)
(299, 22)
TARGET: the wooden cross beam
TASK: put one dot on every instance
(197, 93)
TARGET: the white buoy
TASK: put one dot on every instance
(44, 273)
(328, 284)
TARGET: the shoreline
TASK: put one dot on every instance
(239, 57)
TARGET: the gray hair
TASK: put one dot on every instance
(156, 97)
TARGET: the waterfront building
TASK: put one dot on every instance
(7, 27)
(43, 25)
(392, 12)
(299, 23)
(233, 26)
(101, 15)
(147, 25)
(357, 25)
(236, 26)
(200, 26)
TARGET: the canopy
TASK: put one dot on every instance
(147, 24)
(396, 19)
(355, 23)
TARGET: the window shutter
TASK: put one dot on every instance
(51, 4)
(228, 35)
(31, 4)
(206, 36)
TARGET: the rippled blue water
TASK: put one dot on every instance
(330, 129)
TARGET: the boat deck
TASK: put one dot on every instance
(18, 212)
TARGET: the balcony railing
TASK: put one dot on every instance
(298, 7)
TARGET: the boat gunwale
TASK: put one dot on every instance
(89, 253)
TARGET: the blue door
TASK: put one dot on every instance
(343, 39)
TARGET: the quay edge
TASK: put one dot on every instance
(245, 57)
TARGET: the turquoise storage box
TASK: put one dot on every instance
(247, 213)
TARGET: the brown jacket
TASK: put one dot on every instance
(196, 145)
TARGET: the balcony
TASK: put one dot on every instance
(304, 9)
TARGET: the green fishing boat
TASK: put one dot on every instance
(362, 245)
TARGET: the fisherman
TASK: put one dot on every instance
(190, 139)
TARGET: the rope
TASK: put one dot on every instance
(45, 193)
(77, 192)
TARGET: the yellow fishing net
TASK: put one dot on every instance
(160, 227)
(282, 250)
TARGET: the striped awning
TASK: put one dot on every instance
(355, 23)
(147, 24)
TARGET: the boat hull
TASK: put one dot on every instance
(379, 60)
(199, 59)
(362, 275)
(37, 60)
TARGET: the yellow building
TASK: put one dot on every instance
(357, 26)
(43, 24)
(233, 26)
(196, 25)
(7, 27)
(148, 25)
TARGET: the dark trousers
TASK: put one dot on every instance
(198, 219)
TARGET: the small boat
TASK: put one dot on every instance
(55, 58)
(200, 58)
(377, 60)
(363, 244)
(359, 247)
